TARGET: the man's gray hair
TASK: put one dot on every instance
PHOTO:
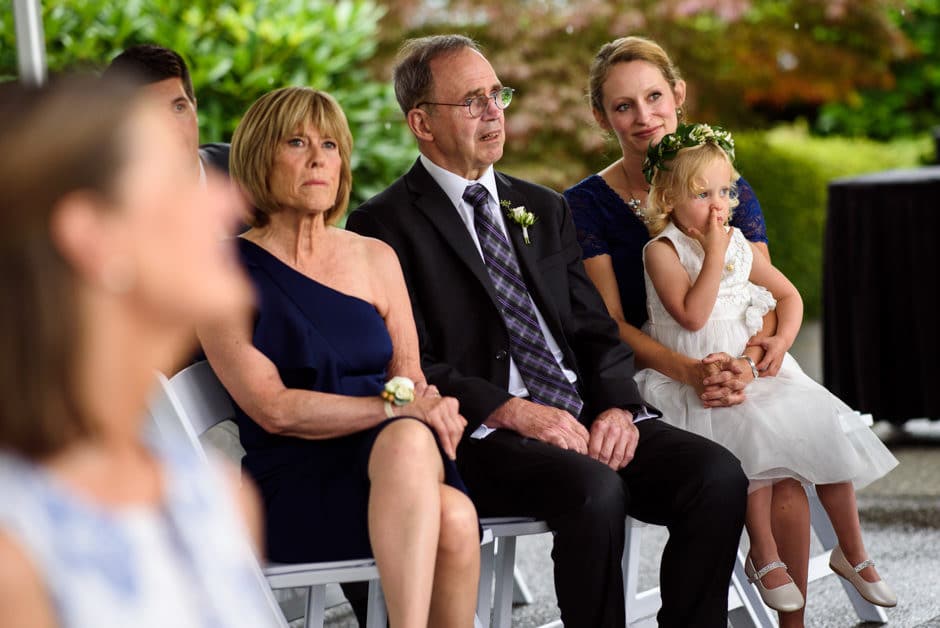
(412, 74)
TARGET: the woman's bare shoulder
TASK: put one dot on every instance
(376, 253)
(23, 596)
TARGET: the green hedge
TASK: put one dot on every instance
(237, 51)
(790, 172)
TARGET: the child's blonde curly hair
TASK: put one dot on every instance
(682, 178)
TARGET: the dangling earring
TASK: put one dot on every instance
(679, 113)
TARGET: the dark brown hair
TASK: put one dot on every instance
(65, 137)
(149, 63)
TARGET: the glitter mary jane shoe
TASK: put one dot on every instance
(785, 598)
(878, 593)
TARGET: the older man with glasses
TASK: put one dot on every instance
(510, 324)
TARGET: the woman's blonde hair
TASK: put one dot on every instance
(271, 119)
(683, 178)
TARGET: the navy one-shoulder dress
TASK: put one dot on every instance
(315, 492)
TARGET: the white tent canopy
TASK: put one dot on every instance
(30, 41)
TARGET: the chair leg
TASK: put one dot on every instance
(819, 565)
(520, 590)
(485, 591)
(376, 615)
(630, 565)
(316, 606)
(640, 606)
(502, 599)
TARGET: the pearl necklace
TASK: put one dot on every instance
(634, 203)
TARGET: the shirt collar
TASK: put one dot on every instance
(454, 185)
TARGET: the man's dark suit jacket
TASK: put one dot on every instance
(464, 341)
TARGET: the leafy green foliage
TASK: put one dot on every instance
(790, 172)
(748, 63)
(237, 51)
(911, 104)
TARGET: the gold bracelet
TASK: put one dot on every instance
(750, 362)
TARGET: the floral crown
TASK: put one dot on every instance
(686, 136)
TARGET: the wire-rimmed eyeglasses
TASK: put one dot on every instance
(476, 106)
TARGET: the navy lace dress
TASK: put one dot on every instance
(605, 225)
(315, 492)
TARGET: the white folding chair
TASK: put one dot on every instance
(194, 401)
(497, 566)
(746, 609)
(745, 606)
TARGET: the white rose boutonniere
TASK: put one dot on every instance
(521, 217)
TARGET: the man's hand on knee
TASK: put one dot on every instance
(544, 423)
(613, 438)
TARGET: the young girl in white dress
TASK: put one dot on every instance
(707, 292)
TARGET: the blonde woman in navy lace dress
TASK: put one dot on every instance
(637, 95)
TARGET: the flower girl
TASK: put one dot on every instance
(707, 292)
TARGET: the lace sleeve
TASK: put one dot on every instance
(588, 217)
(748, 216)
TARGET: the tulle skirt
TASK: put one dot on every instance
(788, 427)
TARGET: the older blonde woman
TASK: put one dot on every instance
(343, 472)
(110, 254)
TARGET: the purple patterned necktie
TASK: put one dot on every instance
(540, 371)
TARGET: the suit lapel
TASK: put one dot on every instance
(430, 200)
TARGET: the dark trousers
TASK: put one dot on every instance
(689, 484)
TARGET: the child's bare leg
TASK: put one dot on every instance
(760, 532)
(839, 502)
(790, 519)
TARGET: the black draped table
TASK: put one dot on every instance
(881, 273)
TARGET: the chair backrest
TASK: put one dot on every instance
(203, 397)
(190, 403)
(184, 407)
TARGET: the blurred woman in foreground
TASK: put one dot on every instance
(110, 254)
